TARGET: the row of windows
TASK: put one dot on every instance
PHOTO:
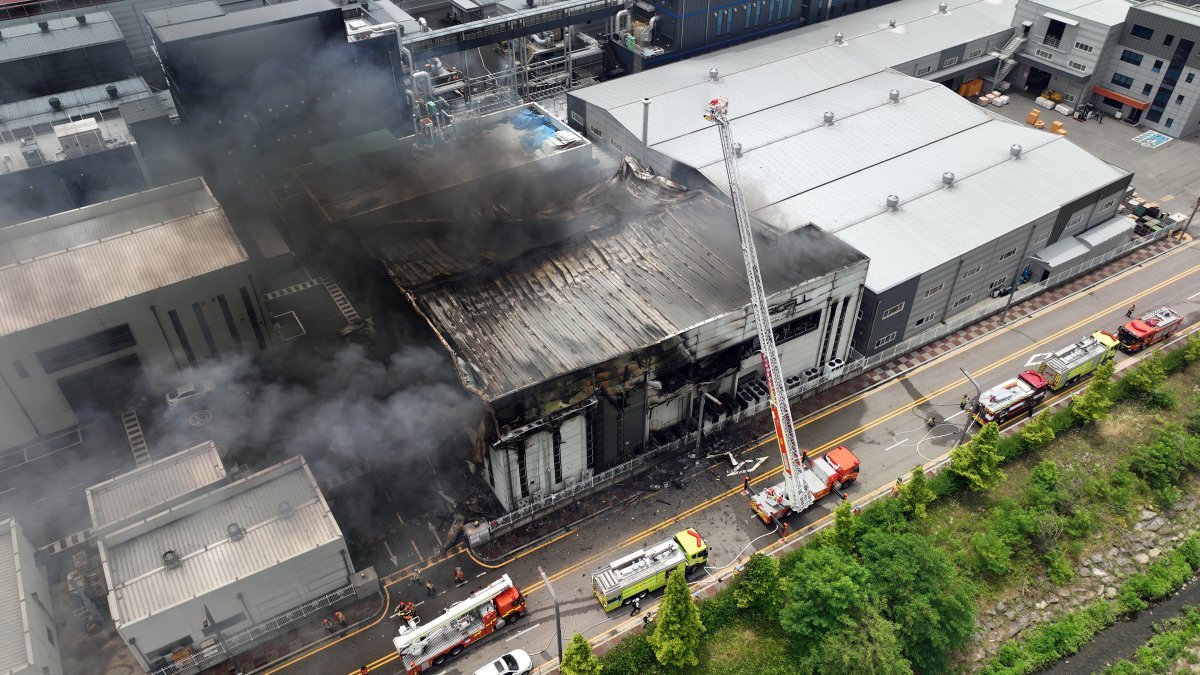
(1143, 33)
(1084, 47)
(776, 10)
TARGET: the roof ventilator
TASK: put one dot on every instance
(893, 203)
(712, 74)
(82, 19)
(45, 26)
(1015, 151)
(285, 509)
(828, 119)
(839, 38)
(171, 560)
(948, 179)
(112, 91)
(892, 23)
(55, 104)
(894, 96)
(737, 149)
(235, 532)
(943, 9)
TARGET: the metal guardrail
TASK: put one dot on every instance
(851, 369)
(238, 642)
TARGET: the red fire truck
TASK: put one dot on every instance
(1012, 397)
(425, 645)
(1149, 329)
(828, 473)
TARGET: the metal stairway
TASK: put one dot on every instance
(1007, 62)
(137, 440)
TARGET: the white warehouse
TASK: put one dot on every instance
(28, 637)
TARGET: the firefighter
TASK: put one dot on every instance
(416, 576)
(429, 588)
(637, 606)
(746, 484)
(1129, 312)
(459, 577)
(363, 671)
(405, 610)
(340, 618)
(327, 624)
(896, 487)
(962, 402)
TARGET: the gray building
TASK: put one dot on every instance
(1151, 77)
(92, 298)
(193, 557)
(28, 636)
(919, 180)
(1066, 44)
(59, 54)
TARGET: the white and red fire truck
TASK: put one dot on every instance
(423, 645)
(1149, 329)
(1013, 397)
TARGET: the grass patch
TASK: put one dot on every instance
(745, 648)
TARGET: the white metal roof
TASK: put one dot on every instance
(1105, 12)
(18, 117)
(140, 586)
(1107, 231)
(111, 251)
(27, 40)
(1171, 10)
(1061, 251)
(154, 485)
(14, 644)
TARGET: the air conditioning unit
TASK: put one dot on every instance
(834, 367)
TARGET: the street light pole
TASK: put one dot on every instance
(1189, 220)
(557, 614)
(971, 407)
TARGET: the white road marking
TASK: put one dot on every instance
(1193, 295)
(39, 499)
(517, 635)
(418, 604)
(8, 490)
(1038, 358)
(902, 441)
(480, 574)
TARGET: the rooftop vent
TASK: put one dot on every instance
(892, 23)
(285, 509)
(948, 179)
(55, 104)
(1015, 151)
(894, 96)
(82, 19)
(942, 8)
(171, 560)
(737, 149)
(838, 38)
(829, 119)
(45, 26)
(112, 91)
(712, 74)
(235, 532)
(893, 202)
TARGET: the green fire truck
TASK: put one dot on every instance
(646, 570)
(1069, 365)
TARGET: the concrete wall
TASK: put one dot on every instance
(36, 612)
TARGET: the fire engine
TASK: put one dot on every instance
(646, 570)
(1012, 397)
(803, 482)
(425, 645)
(1067, 366)
(1149, 329)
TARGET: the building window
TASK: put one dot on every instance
(1189, 78)
(1042, 237)
(1108, 204)
(1179, 100)
(925, 319)
(1113, 102)
(924, 71)
(885, 339)
(230, 325)
(1077, 66)
(950, 61)
(1168, 40)
(1008, 254)
(997, 282)
(595, 132)
(1069, 98)
(1078, 218)
(963, 300)
(1083, 47)
(1044, 54)
(933, 290)
(50, 635)
(576, 118)
(1141, 32)
(258, 334)
(85, 349)
(1122, 80)
(182, 336)
(1131, 57)
(205, 330)
(892, 311)
(972, 272)
(975, 54)
(1146, 89)
(1157, 66)
(1170, 121)
(20, 368)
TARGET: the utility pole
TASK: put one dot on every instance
(557, 614)
(971, 407)
(1189, 220)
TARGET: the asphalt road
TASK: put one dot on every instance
(883, 426)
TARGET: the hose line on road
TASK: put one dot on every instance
(709, 568)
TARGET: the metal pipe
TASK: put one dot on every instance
(539, 39)
(628, 21)
(648, 33)
(645, 129)
(421, 76)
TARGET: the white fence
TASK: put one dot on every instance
(851, 369)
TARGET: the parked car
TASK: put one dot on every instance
(516, 662)
(189, 392)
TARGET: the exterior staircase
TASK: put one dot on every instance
(1007, 62)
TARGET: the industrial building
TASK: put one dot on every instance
(90, 298)
(52, 55)
(28, 636)
(1151, 76)
(835, 138)
(194, 558)
(1066, 42)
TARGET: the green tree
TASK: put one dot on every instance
(993, 555)
(1145, 379)
(1093, 405)
(823, 594)
(868, 646)
(678, 630)
(758, 588)
(1191, 349)
(922, 593)
(978, 461)
(915, 495)
(1038, 432)
(579, 659)
(847, 528)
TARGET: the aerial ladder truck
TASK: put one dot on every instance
(804, 482)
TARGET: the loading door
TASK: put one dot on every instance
(109, 387)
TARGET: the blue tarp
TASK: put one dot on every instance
(534, 139)
(527, 119)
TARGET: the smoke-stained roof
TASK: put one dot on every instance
(185, 23)
(197, 531)
(631, 272)
(19, 116)
(60, 265)
(27, 40)
(154, 485)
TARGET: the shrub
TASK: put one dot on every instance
(1038, 433)
(578, 658)
(916, 495)
(993, 555)
(977, 462)
(1058, 570)
(721, 610)
(756, 589)
(1046, 644)
(1191, 349)
(1141, 381)
(631, 655)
